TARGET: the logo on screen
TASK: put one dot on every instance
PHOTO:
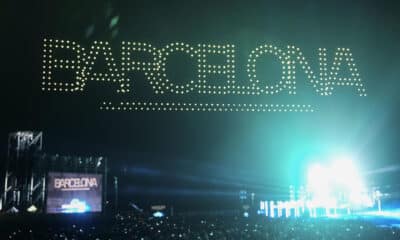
(75, 184)
(75, 206)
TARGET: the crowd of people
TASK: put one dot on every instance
(130, 226)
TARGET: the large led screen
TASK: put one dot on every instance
(74, 193)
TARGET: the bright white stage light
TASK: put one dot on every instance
(337, 183)
(32, 209)
(332, 189)
(318, 178)
(346, 175)
(320, 185)
(158, 214)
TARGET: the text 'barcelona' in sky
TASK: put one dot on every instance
(291, 58)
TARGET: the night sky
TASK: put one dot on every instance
(164, 155)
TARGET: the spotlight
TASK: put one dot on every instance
(32, 209)
(338, 183)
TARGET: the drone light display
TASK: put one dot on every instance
(154, 69)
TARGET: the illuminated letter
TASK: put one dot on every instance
(205, 69)
(287, 81)
(149, 68)
(344, 58)
(112, 73)
(56, 183)
(165, 84)
(50, 63)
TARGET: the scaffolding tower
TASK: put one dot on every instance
(24, 182)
